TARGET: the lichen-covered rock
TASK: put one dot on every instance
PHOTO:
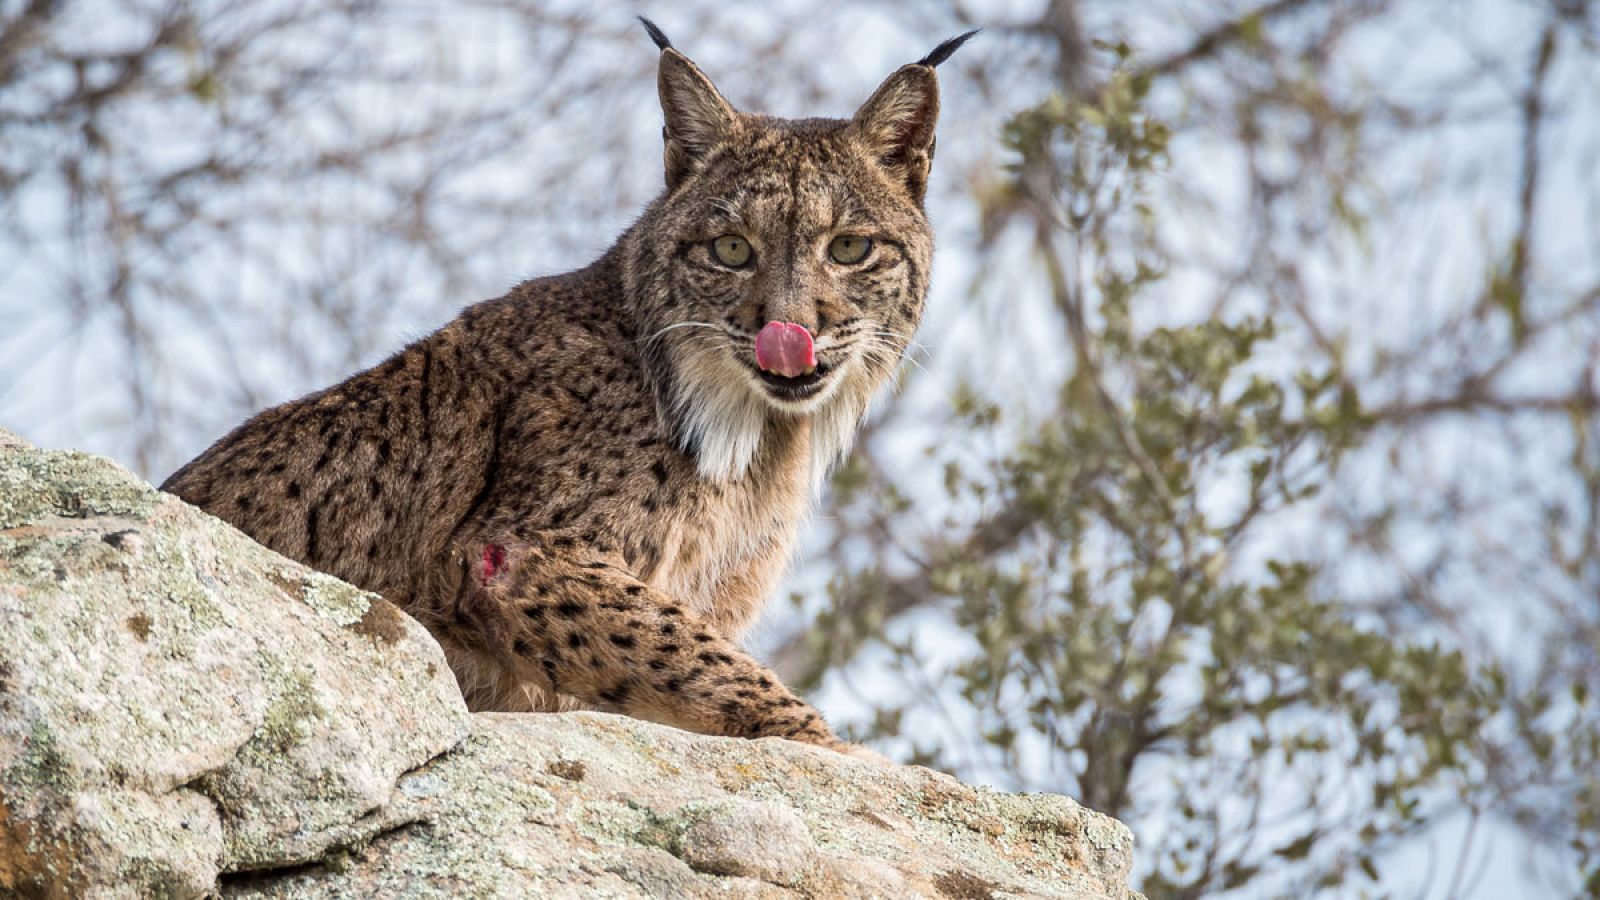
(590, 805)
(761, 839)
(178, 702)
(184, 713)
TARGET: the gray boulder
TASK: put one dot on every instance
(184, 713)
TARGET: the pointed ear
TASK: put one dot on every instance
(697, 118)
(896, 124)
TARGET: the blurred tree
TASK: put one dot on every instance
(1118, 630)
(181, 183)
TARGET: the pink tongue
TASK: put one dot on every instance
(784, 348)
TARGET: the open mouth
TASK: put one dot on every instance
(797, 388)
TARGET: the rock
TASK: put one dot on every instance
(664, 813)
(761, 840)
(184, 713)
(177, 702)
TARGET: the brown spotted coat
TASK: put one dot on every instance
(585, 488)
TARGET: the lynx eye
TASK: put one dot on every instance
(849, 249)
(732, 251)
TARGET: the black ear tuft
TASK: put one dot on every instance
(939, 54)
(660, 36)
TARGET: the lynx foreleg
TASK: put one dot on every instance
(584, 627)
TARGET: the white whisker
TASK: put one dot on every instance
(877, 346)
(657, 336)
(911, 342)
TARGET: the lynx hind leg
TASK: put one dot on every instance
(489, 685)
(578, 625)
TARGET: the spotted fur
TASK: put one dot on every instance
(585, 488)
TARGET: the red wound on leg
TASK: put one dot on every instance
(494, 561)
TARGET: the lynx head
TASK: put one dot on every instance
(782, 273)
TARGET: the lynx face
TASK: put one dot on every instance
(783, 273)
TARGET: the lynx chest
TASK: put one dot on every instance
(725, 551)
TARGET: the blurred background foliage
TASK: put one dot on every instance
(1244, 484)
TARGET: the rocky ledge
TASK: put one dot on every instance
(184, 713)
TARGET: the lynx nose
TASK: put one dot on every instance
(784, 348)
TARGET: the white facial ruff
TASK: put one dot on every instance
(725, 416)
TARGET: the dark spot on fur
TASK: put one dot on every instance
(311, 534)
(424, 386)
